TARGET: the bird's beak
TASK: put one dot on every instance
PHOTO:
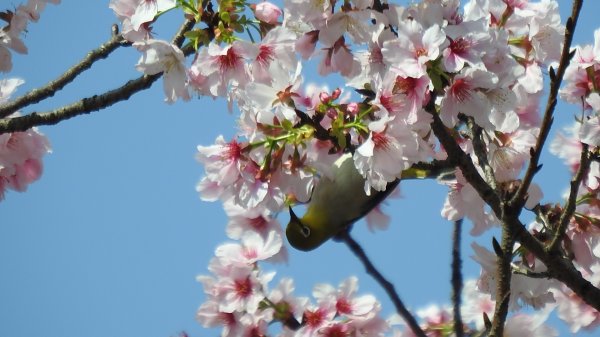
(293, 216)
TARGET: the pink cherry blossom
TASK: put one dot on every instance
(371, 60)
(345, 301)
(468, 42)
(315, 318)
(161, 56)
(242, 220)
(272, 102)
(468, 94)
(253, 248)
(242, 290)
(387, 152)
(464, 201)
(209, 316)
(276, 48)
(222, 161)
(509, 152)
(217, 68)
(414, 47)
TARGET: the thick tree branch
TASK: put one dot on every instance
(457, 279)
(93, 103)
(518, 200)
(39, 94)
(503, 277)
(387, 285)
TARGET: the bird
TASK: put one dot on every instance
(338, 201)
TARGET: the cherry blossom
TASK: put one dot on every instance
(463, 201)
(217, 68)
(161, 56)
(414, 47)
(253, 248)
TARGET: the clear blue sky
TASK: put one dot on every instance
(109, 242)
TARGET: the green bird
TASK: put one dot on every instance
(338, 202)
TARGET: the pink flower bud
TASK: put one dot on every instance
(324, 97)
(267, 12)
(336, 93)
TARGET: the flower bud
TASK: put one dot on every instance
(267, 12)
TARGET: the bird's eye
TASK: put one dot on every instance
(305, 230)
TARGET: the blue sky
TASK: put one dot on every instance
(110, 240)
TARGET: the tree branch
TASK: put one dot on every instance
(503, 276)
(518, 200)
(457, 281)
(39, 94)
(93, 103)
(385, 284)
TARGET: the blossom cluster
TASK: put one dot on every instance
(240, 301)
(20, 152)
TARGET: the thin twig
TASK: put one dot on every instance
(569, 209)
(518, 200)
(383, 282)
(39, 94)
(457, 279)
(89, 104)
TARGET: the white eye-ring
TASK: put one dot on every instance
(305, 230)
